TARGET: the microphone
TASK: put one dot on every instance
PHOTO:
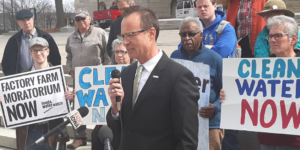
(106, 136)
(83, 111)
(116, 74)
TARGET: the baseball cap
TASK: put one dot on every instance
(39, 41)
(81, 12)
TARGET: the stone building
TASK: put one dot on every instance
(163, 8)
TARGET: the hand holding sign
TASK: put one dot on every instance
(222, 95)
(70, 95)
(114, 90)
(208, 111)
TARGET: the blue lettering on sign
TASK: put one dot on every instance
(108, 74)
(261, 87)
(292, 68)
(100, 96)
(279, 67)
(87, 98)
(240, 70)
(81, 83)
(265, 68)
(96, 116)
(273, 86)
(286, 89)
(245, 87)
(254, 74)
(96, 81)
(298, 88)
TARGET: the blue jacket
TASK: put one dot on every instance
(262, 46)
(226, 44)
(214, 60)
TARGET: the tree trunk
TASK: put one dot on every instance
(59, 14)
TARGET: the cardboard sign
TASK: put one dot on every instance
(91, 84)
(262, 95)
(33, 97)
(202, 77)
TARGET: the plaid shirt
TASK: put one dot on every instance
(244, 19)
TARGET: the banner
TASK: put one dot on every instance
(202, 77)
(33, 97)
(91, 85)
(262, 95)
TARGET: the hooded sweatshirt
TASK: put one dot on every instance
(226, 44)
(208, 57)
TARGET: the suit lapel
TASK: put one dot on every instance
(151, 82)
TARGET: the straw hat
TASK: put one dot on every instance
(276, 6)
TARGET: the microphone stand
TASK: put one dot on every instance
(62, 132)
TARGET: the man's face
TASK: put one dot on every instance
(281, 45)
(122, 5)
(268, 15)
(83, 23)
(26, 24)
(39, 53)
(206, 9)
(138, 44)
(189, 42)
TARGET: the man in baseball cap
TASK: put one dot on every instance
(271, 8)
(28, 134)
(16, 58)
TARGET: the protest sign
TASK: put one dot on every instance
(91, 84)
(33, 97)
(202, 77)
(261, 95)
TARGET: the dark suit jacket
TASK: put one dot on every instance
(115, 29)
(165, 114)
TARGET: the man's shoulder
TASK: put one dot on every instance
(16, 36)
(213, 55)
(175, 54)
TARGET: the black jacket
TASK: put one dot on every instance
(115, 30)
(11, 56)
(165, 115)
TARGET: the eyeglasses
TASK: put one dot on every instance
(277, 36)
(37, 51)
(130, 35)
(79, 19)
(121, 52)
(190, 34)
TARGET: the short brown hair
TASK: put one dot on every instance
(148, 17)
(213, 1)
(129, 2)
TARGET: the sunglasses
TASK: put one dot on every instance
(79, 19)
(190, 34)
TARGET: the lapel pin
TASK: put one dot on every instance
(154, 76)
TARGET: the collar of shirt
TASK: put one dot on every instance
(32, 33)
(150, 64)
(32, 68)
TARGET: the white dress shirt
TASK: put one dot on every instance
(148, 68)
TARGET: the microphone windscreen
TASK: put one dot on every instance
(83, 111)
(115, 73)
(104, 133)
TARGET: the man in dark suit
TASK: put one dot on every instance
(159, 96)
(115, 27)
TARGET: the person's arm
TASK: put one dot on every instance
(69, 59)
(226, 43)
(6, 58)
(218, 82)
(110, 40)
(262, 46)
(184, 106)
(105, 59)
(54, 55)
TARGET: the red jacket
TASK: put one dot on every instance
(258, 23)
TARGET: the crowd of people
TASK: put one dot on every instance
(159, 97)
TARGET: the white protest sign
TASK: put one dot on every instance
(202, 77)
(262, 95)
(91, 85)
(33, 97)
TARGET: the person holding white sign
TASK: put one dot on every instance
(191, 33)
(283, 39)
(26, 135)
